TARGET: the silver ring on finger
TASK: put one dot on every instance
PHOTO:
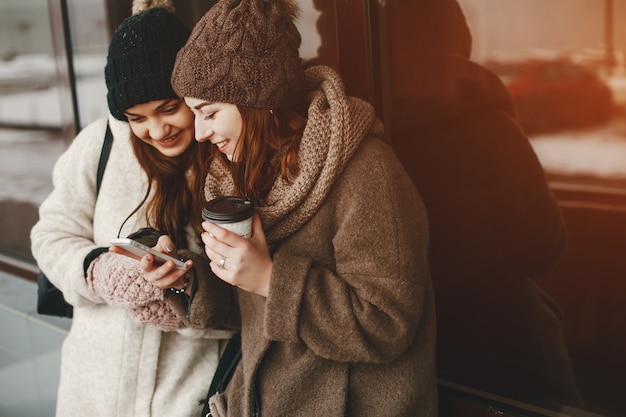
(221, 263)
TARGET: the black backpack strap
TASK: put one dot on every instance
(50, 299)
(104, 157)
(225, 369)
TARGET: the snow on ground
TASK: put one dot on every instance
(599, 152)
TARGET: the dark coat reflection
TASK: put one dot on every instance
(495, 224)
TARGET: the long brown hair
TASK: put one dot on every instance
(179, 188)
(267, 149)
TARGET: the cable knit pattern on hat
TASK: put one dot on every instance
(243, 52)
(336, 126)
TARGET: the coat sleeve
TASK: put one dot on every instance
(365, 302)
(213, 304)
(63, 235)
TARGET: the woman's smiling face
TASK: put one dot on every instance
(167, 125)
(219, 123)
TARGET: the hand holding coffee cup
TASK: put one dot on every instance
(247, 266)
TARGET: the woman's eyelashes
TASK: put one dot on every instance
(171, 109)
(136, 119)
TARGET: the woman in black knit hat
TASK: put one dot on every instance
(334, 289)
(127, 353)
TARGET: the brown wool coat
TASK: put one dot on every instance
(348, 327)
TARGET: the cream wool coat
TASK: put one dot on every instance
(112, 366)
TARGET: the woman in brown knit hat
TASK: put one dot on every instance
(334, 289)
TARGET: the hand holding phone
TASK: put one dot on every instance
(140, 250)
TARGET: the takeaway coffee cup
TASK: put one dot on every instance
(232, 213)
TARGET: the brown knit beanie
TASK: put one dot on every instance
(243, 52)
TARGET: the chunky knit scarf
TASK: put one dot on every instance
(336, 126)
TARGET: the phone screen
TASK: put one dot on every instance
(140, 249)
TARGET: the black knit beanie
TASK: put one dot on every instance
(243, 52)
(141, 57)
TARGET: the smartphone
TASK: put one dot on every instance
(140, 249)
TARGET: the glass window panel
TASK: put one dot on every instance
(562, 63)
(31, 120)
(90, 39)
(572, 102)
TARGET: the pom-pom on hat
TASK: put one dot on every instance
(243, 52)
(141, 56)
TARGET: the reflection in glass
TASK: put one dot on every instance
(569, 84)
(523, 302)
(494, 224)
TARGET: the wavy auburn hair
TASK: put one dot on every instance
(179, 188)
(267, 149)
